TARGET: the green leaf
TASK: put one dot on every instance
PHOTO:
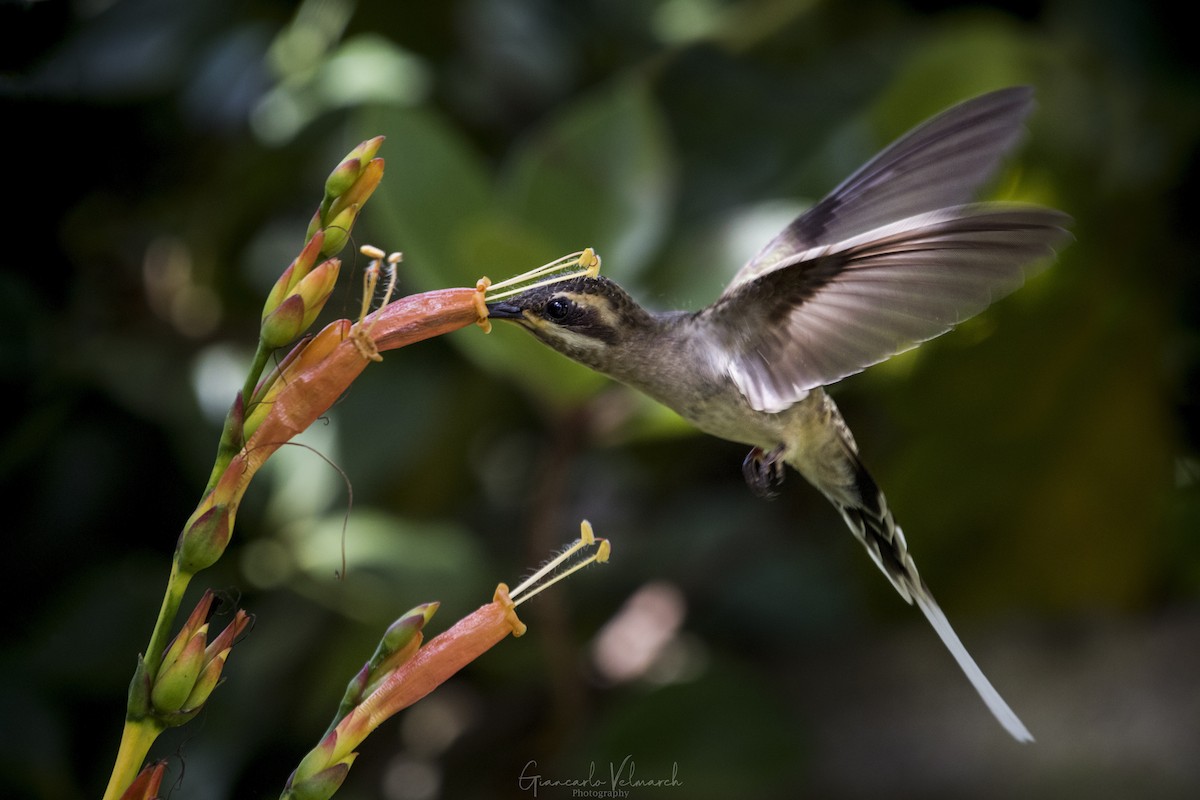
(434, 187)
(599, 176)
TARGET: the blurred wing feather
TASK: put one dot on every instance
(834, 310)
(940, 163)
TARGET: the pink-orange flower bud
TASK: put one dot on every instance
(147, 784)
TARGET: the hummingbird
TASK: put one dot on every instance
(897, 254)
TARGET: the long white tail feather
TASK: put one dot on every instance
(1004, 715)
(865, 509)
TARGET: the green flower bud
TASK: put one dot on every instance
(208, 679)
(360, 192)
(285, 323)
(176, 680)
(343, 177)
(295, 272)
(204, 540)
(400, 642)
(402, 630)
(314, 225)
(322, 785)
(366, 150)
(315, 760)
(338, 230)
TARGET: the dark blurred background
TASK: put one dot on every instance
(163, 160)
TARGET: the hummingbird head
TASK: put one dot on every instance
(585, 318)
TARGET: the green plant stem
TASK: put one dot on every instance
(136, 739)
(231, 440)
(260, 361)
(141, 730)
(176, 585)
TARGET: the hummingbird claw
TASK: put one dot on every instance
(764, 471)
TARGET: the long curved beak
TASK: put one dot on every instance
(502, 310)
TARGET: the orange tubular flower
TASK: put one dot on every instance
(310, 380)
(402, 676)
(432, 665)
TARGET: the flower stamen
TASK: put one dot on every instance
(586, 550)
(378, 265)
(584, 262)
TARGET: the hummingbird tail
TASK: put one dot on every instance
(865, 510)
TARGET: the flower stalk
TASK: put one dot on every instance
(171, 691)
(307, 382)
(172, 682)
(174, 679)
(398, 676)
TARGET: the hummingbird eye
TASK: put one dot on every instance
(559, 308)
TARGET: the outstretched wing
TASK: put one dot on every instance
(834, 310)
(942, 162)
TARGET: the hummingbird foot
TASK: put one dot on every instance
(764, 471)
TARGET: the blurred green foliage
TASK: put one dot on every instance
(164, 158)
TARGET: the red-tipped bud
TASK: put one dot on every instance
(295, 272)
(317, 759)
(346, 173)
(314, 225)
(296, 312)
(194, 622)
(367, 150)
(191, 667)
(225, 639)
(204, 539)
(322, 785)
(285, 323)
(403, 630)
(215, 655)
(147, 784)
(361, 191)
(399, 643)
(343, 177)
